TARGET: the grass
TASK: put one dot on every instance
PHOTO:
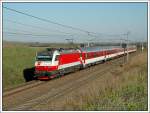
(126, 89)
(15, 60)
(129, 97)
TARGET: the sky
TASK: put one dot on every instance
(108, 20)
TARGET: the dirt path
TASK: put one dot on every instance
(42, 96)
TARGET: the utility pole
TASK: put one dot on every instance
(142, 48)
(88, 40)
(127, 45)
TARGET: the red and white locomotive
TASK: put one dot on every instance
(56, 62)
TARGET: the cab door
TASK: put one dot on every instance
(56, 60)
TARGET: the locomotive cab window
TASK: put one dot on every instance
(44, 58)
(57, 57)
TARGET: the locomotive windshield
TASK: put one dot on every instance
(44, 56)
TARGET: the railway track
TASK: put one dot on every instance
(22, 88)
(58, 90)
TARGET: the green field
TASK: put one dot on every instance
(15, 60)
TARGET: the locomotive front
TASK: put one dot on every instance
(46, 64)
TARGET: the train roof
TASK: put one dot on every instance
(69, 50)
(99, 48)
(50, 51)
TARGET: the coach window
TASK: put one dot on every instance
(56, 58)
(95, 54)
(88, 55)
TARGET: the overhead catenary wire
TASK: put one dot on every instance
(39, 27)
(49, 21)
(16, 33)
(25, 31)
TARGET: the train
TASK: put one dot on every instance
(52, 63)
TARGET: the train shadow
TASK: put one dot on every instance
(28, 74)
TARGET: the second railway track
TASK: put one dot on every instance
(22, 88)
